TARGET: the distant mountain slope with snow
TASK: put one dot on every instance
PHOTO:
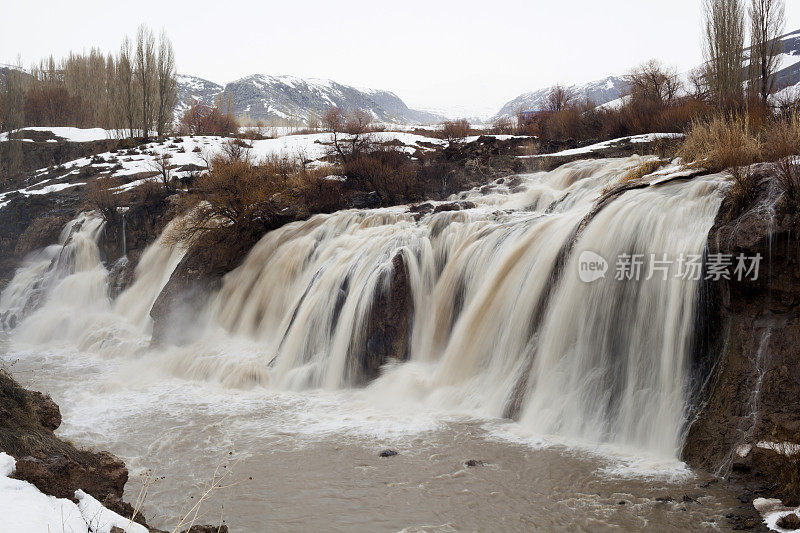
(289, 98)
(606, 90)
(600, 92)
(787, 79)
(192, 88)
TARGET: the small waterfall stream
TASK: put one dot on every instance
(494, 316)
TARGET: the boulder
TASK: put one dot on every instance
(790, 521)
(388, 325)
(54, 466)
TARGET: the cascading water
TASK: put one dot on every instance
(62, 294)
(64, 272)
(497, 312)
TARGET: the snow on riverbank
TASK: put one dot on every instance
(24, 508)
(646, 138)
(772, 510)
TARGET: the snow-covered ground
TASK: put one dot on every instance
(192, 150)
(187, 151)
(648, 137)
(71, 134)
(23, 508)
(773, 510)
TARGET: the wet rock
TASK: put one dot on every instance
(197, 275)
(688, 499)
(474, 462)
(207, 529)
(365, 200)
(46, 410)
(41, 232)
(388, 325)
(56, 467)
(748, 333)
(454, 206)
(790, 521)
(388, 453)
(424, 208)
(61, 476)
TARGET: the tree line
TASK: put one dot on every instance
(732, 79)
(133, 91)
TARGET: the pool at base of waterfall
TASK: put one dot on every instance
(311, 461)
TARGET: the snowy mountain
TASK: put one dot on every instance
(787, 79)
(600, 92)
(289, 98)
(193, 88)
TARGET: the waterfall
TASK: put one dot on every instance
(61, 272)
(61, 293)
(496, 312)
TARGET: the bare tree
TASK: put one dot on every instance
(350, 132)
(146, 77)
(698, 83)
(559, 98)
(767, 19)
(126, 86)
(163, 165)
(653, 82)
(13, 95)
(167, 85)
(724, 43)
(455, 130)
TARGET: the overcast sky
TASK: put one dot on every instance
(465, 57)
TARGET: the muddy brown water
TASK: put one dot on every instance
(310, 461)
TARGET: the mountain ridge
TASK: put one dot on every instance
(286, 98)
(610, 88)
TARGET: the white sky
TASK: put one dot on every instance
(464, 57)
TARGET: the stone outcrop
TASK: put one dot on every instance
(54, 466)
(750, 358)
(197, 276)
(388, 326)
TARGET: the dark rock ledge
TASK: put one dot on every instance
(55, 466)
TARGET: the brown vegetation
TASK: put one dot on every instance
(454, 130)
(201, 119)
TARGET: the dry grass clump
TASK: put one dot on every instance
(736, 142)
(637, 172)
(722, 142)
(648, 167)
(782, 145)
(726, 142)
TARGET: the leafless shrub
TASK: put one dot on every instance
(455, 130)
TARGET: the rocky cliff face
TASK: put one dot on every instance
(752, 394)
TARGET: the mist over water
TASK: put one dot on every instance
(500, 323)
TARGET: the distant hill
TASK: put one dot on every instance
(600, 92)
(613, 87)
(282, 98)
(787, 78)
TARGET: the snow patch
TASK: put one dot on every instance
(24, 508)
(646, 138)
